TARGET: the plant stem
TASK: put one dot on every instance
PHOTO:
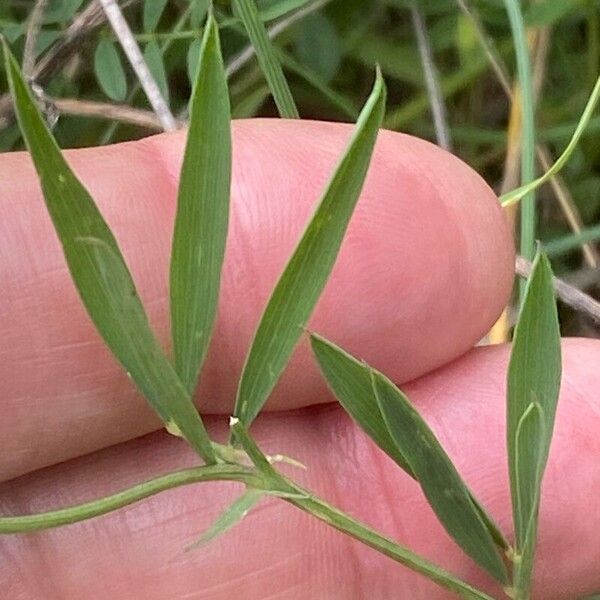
(136, 59)
(335, 518)
(528, 212)
(593, 34)
(346, 524)
(179, 25)
(432, 83)
(268, 480)
(96, 508)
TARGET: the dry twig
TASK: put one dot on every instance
(134, 55)
(31, 38)
(568, 294)
(91, 17)
(436, 98)
(105, 110)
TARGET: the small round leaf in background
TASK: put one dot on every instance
(154, 59)
(153, 10)
(318, 46)
(109, 71)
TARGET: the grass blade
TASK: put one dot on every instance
(534, 377)
(101, 275)
(202, 213)
(304, 277)
(516, 195)
(350, 381)
(230, 517)
(248, 13)
(442, 485)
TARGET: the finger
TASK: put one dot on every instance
(277, 551)
(425, 269)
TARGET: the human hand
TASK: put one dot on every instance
(424, 270)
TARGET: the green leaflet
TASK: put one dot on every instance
(534, 377)
(153, 10)
(202, 213)
(445, 490)
(353, 384)
(305, 275)
(318, 46)
(528, 446)
(350, 381)
(154, 60)
(109, 71)
(230, 517)
(248, 13)
(101, 275)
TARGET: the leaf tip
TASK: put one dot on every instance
(379, 87)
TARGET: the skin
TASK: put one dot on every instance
(424, 271)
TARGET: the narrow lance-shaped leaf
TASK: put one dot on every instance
(367, 396)
(202, 213)
(534, 377)
(442, 485)
(350, 381)
(101, 275)
(269, 63)
(230, 517)
(304, 277)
